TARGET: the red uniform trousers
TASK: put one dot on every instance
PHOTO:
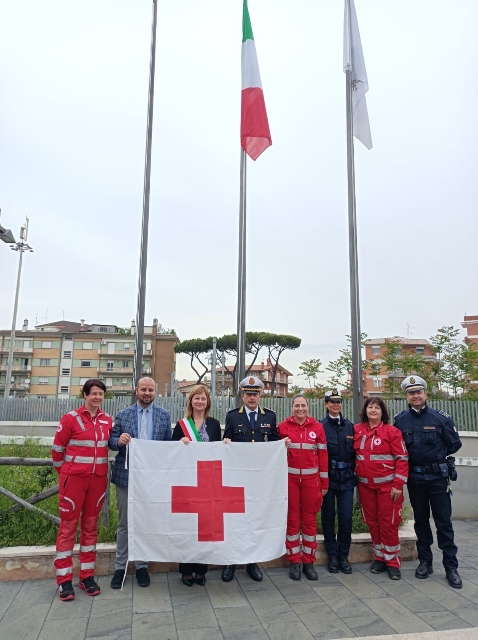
(85, 495)
(305, 500)
(382, 515)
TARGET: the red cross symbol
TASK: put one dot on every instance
(210, 500)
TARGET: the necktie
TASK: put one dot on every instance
(252, 418)
(144, 426)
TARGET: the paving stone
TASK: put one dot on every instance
(298, 592)
(23, 621)
(177, 588)
(226, 594)
(256, 633)
(212, 633)
(110, 618)
(288, 631)
(417, 602)
(54, 629)
(8, 591)
(248, 584)
(193, 612)
(316, 608)
(370, 625)
(279, 612)
(266, 597)
(343, 602)
(152, 599)
(361, 585)
(107, 593)
(458, 605)
(157, 577)
(80, 607)
(443, 620)
(396, 615)
(36, 592)
(237, 618)
(327, 625)
(159, 626)
(192, 599)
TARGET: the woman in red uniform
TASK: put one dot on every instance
(308, 482)
(382, 470)
(80, 456)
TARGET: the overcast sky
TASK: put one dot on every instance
(74, 80)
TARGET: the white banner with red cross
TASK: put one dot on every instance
(212, 503)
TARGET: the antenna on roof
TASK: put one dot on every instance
(410, 330)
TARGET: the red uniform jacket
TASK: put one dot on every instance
(381, 455)
(80, 446)
(307, 455)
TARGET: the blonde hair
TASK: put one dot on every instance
(199, 388)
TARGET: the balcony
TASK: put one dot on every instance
(16, 386)
(123, 352)
(17, 367)
(115, 370)
(17, 350)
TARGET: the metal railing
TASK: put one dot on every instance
(463, 412)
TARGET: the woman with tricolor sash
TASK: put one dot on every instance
(196, 426)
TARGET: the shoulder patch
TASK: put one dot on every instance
(399, 414)
(261, 409)
(442, 413)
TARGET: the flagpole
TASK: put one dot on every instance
(353, 260)
(143, 261)
(241, 280)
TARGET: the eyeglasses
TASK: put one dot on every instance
(335, 401)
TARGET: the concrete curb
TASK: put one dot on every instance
(34, 563)
(452, 634)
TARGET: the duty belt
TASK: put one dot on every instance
(428, 468)
(334, 464)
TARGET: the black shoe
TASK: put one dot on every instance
(378, 566)
(188, 581)
(228, 572)
(333, 565)
(345, 566)
(254, 571)
(89, 586)
(423, 571)
(142, 576)
(294, 571)
(65, 591)
(453, 578)
(200, 581)
(309, 571)
(394, 573)
(117, 579)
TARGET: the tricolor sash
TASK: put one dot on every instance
(189, 429)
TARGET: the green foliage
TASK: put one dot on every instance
(25, 527)
(310, 370)
(358, 525)
(341, 368)
(456, 365)
(108, 395)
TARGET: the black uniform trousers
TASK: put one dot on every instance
(434, 494)
(188, 568)
(337, 547)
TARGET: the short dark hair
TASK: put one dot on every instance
(85, 391)
(381, 404)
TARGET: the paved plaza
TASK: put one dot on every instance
(336, 606)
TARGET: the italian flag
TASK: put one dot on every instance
(255, 133)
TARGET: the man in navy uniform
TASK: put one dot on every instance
(342, 482)
(430, 436)
(249, 423)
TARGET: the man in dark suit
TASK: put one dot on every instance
(249, 423)
(143, 420)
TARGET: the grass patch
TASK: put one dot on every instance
(25, 527)
(358, 526)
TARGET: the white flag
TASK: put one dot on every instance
(206, 502)
(354, 62)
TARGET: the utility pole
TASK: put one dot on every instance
(20, 246)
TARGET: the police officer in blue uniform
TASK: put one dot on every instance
(249, 423)
(430, 436)
(340, 439)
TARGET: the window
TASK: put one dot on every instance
(83, 380)
(68, 336)
(109, 382)
(44, 362)
(41, 397)
(46, 345)
(42, 380)
(377, 382)
(64, 389)
(65, 372)
(86, 363)
(110, 366)
(126, 346)
(376, 351)
(126, 364)
(67, 354)
(421, 350)
(87, 345)
(124, 380)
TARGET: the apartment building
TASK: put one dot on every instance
(264, 371)
(470, 323)
(54, 360)
(374, 349)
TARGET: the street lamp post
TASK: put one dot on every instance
(20, 246)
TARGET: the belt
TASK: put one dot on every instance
(431, 467)
(341, 465)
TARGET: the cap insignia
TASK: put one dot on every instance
(412, 380)
(251, 380)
